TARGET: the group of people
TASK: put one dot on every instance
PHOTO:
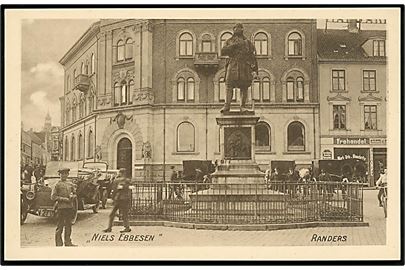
(64, 195)
(32, 173)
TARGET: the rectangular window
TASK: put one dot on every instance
(300, 91)
(369, 80)
(180, 91)
(290, 91)
(266, 91)
(256, 90)
(338, 80)
(190, 91)
(379, 48)
(291, 47)
(370, 117)
(339, 117)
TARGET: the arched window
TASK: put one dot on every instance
(206, 43)
(190, 89)
(300, 89)
(266, 89)
(74, 105)
(294, 44)
(81, 147)
(72, 149)
(256, 90)
(91, 103)
(86, 68)
(222, 89)
(262, 136)
(131, 87)
(124, 93)
(290, 89)
(181, 89)
(68, 83)
(296, 136)
(74, 75)
(129, 50)
(93, 63)
(120, 50)
(117, 94)
(91, 144)
(261, 43)
(66, 148)
(82, 68)
(81, 108)
(224, 37)
(67, 118)
(185, 137)
(186, 44)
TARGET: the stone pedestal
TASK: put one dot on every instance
(237, 151)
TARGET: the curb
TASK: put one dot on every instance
(244, 227)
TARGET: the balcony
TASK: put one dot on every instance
(206, 60)
(81, 83)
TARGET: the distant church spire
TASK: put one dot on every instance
(48, 122)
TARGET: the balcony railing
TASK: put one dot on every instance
(81, 83)
(271, 203)
(206, 60)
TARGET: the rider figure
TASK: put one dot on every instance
(382, 184)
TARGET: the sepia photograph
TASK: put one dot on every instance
(150, 130)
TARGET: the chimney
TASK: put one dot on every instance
(352, 26)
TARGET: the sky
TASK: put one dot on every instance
(44, 42)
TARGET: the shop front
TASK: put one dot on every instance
(370, 154)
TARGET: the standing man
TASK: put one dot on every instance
(241, 66)
(381, 184)
(64, 194)
(122, 200)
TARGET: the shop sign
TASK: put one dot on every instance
(351, 141)
(351, 153)
(378, 141)
(327, 154)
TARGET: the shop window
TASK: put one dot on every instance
(294, 44)
(370, 117)
(379, 48)
(369, 80)
(296, 136)
(338, 80)
(261, 43)
(120, 50)
(186, 44)
(262, 136)
(185, 137)
(339, 117)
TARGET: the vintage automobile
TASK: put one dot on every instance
(36, 197)
(105, 178)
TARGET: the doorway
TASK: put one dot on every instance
(124, 155)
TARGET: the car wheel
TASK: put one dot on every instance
(24, 211)
(75, 207)
(97, 205)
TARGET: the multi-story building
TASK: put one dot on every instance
(25, 148)
(144, 94)
(352, 82)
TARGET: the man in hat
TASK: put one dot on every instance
(122, 200)
(241, 66)
(64, 194)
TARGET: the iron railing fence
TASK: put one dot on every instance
(278, 202)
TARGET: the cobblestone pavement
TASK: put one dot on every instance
(40, 232)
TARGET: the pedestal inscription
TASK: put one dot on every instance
(237, 143)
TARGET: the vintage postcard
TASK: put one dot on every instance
(202, 134)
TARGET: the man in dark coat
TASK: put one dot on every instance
(122, 200)
(241, 66)
(64, 194)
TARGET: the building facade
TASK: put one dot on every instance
(353, 86)
(145, 94)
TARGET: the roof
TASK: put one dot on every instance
(35, 138)
(346, 46)
(40, 135)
